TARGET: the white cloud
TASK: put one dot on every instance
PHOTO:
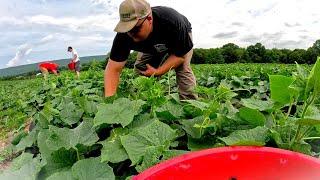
(22, 51)
(26, 49)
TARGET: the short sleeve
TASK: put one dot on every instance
(181, 42)
(120, 48)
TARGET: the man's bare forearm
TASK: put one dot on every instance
(171, 63)
(111, 81)
(112, 77)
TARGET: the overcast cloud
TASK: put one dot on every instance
(38, 30)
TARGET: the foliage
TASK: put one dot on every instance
(78, 134)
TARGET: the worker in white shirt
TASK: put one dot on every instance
(75, 59)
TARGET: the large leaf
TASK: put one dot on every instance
(70, 113)
(297, 88)
(169, 111)
(112, 145)
(122, 111)
(42, 145)
(224, 93)
(279, 88)
(188, 126)
(309, 120)
(302, 147)
(154, 134)
(23, 159)
(312, 116)
(58, 161)
(89, 107)
(203, 143)
(62, 175)
(313, 84)
(68, 138)
(252, 116)
(156, 154)
(257, 104)
(45, 116)
(198, 104)
(252, 137)
(92, 168)
(27, 141)
(28, 171)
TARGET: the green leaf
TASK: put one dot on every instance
(89, 107)
(279, 88)
(27, 141)
(42, 145)
(313, 84)
(302, 147)
(257, 104)
(63, 175)
(169, 111)
(154, 134)
(68, 138)
(224, 93)
(198, 104)
(252, 116)
(70, 113)
(254, 137)
(23, 159)
(28, 171)
(156, 154)
(58, 161)
(312, 116)
(17, 138)
(297, 88)
(309, 121)
(122, 111)
(92, 168)
(112, 145)
(141, 120)
(188, 126)
(203, 143)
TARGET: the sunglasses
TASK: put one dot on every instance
(137, 29)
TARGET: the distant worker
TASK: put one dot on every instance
(75, 59)
(47, 67)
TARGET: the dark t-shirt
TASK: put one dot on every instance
(170, 35)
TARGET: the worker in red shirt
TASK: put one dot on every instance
(47, 67)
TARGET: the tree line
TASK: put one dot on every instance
(232, 53)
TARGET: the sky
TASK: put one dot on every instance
(39, 30)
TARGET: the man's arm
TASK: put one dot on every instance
(74, 57)
(112, 76)
(172, 62)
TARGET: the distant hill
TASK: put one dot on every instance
(13, 71)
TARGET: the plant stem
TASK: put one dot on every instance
(168, 81)
(296, 137)
(310, 138)
(78, 156)
(288, 113)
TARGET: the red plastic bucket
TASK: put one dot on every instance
(71, 65)
(236, 163)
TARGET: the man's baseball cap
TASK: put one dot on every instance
(130, 12)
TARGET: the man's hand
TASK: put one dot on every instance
(151, 71)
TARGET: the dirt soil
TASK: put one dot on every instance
(6, 163)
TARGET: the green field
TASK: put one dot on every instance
(78, 130)
(29, 68)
